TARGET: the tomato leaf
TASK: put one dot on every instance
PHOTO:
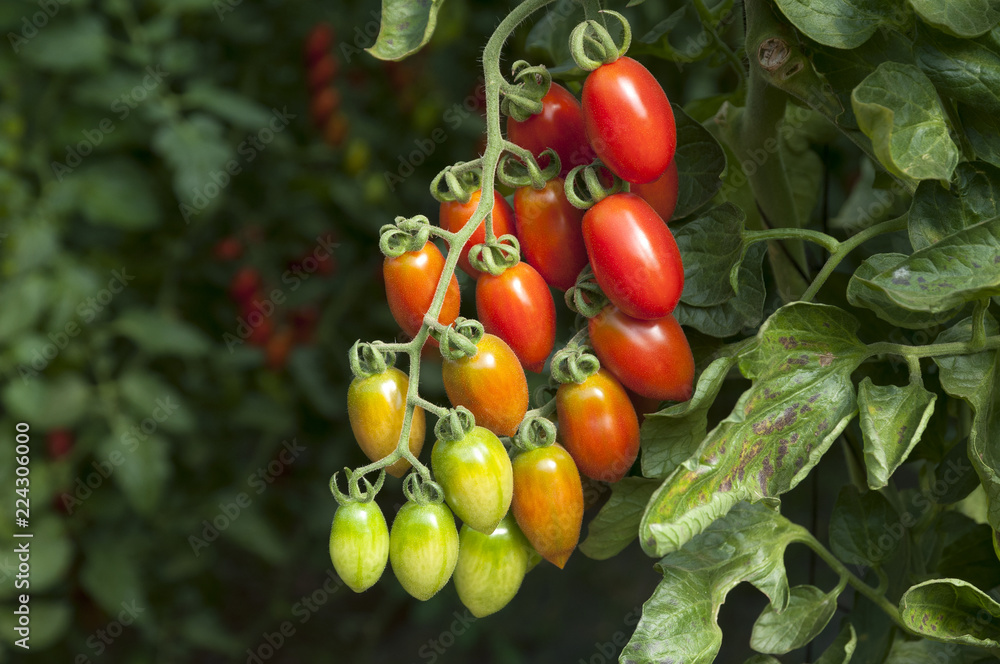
(982, 128)
(857, 524)
(159, 334)
(700, 164)
(962, 18)
(964, 69)
(932, 652)
(746, 309)
(937, 213)
(951, 610)
(54, 403)
(892, 420)
(842, 648)
(976, 378)
(807, 614)
(762, 659)
(140, 465)
(678, 622)
(838, 23)
(898, 108)
(406, 27)
(617, 524)
(801, 399)
(195, 150)
(712, 245)
(672, 435)
(861, 293)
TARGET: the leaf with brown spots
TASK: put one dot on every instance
(953, 611)
(801, 398)
(892, 420)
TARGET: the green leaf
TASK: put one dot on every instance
(976, 378)
(118, 193)
(898, 108)
(842, 648)
(952, 611)
(237, 109)
(617, 524)
(141, 466)
(966, 70)
(861, 293)
(932, 652)
(762, 659)
(111, 576)
(50, 563)
(548, 40)
(256, 534)
(195, 149)
(69, 45)
(49, 621)
(29, 297)
(982, 128)
(406, 27)
(158, 334)
(152, 397)
(50, 404)
(966, 550)
(671, 436)
(937, 213)
(838, 23)
(961, 268)
(956, 472)
(962, 18)
(807, 614)
(892, 420)
(857, 525)
(712, 245)
(746, 309)
(678, 622)
(700, 164)
(801, 399)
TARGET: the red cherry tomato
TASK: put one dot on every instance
(321, 72)
(278, 348)
(629, 121)
(491, 384)
(549, 230)
(661, 194)
(228, 249)
(517, 307)
(410, 282)
(322, 106)
(304, 322)
(548, 501)
(318, 42)
(454, 215)
(650, 357)
(559, 126)
(634, 256)
(59, 443)
(255, 318)
(335, 130)
(598, 426)
(244, 285)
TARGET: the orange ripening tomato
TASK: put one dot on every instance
(598, 426)
(376, 406)
(278, 348)
(491, 384)
(548, 501)
(454, 215)
(322, 106)
(517, 307)
(410, 282)
(550, 231)
(661, 194)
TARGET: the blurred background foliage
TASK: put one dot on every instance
(153, 154)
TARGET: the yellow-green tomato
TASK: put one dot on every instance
(376, 406)
(359, 544)
(423, 548)
(476, 476)
(491, 567)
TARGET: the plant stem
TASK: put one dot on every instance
(847, 246)
(734, 60)
(933, 350)
(979, 322)
(828, 242)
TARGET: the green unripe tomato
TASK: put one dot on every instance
(491, 567)
(359, 544)
(476, 476)
(423, 548)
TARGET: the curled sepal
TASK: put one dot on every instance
(535, 432)
(405, 235)
(422, 491)
(460, 339)
(460, 181)
(583, 186)
(586, 297)
(354, 492)
(455, 425)
(523, 97)
(591, 45)
(573, 364)
(495, 257)
(516, 171)
(368, 359)
(544, 393)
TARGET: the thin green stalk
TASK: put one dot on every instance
(734, 60)
(828, 242)
(933, 350)
(979, 322)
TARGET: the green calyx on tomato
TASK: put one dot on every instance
(491, 567)
(475, 474)
(455, 214)
(558, 126)
(423, 548)
(548, 501)
(359, 544)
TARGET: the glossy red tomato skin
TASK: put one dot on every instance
(559, 126)
(550, 231)
(491, 384)
(454, 214)
(650, 357)
(598, 426)
(629, 121)
(548, 501)
(410, 282)
(634, 256)
(518, 307)
(661, 194)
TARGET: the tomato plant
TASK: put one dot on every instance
(359, 544)
(454, 215)
(551, 234)
(475, 474)
(491, 384)
(661, 193)
(559, 126)
(423, 548)
(376, 407)
(517, 307)
(410, 281)
(490, 566)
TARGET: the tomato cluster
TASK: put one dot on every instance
(522, 500)
(322, 68)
